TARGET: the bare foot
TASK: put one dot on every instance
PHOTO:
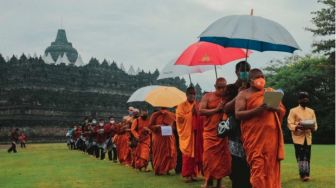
(188, 180)
(204, 186)
(193, 179)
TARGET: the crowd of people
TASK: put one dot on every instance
(187, 139)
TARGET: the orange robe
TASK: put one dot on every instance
(163, 147)
(121, 140)
(216, 155)
(187, 137)
(139, 131)
(263, 143)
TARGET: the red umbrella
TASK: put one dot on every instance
(206, 53)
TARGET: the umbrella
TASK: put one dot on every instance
(206, 53)
(171, 70)
(159, 96)
(250, 32)
(140, 94)
(165, 97)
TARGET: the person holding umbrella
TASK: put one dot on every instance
(240, 172)
(261, 132)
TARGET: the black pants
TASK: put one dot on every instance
(12, 148)
(114, 154)
(178, 168)
(100, 152)
(240, 173)
(91, 150)
(302, 154)
(23, 145)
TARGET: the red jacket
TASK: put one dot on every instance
(22, 138)
(77, 133)
(102, 133)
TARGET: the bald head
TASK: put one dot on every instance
(220, 80)
(255, 73)
(220, 86)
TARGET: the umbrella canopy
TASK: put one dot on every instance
(159, 96)
(171, 70)
(206, 53)
(165, 97)
(250, 32)
(140, 94)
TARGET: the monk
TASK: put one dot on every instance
(163, 148)
(132, 141)
(216, 155)
(187, 132)
(141, 133)
(261, 133)
(122, 142)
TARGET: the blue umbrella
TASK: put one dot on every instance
(250, 32)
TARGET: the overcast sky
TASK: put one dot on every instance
(143, 33)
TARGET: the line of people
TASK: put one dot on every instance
(187, 140)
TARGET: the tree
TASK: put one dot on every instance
(324, 22)
(314, 75)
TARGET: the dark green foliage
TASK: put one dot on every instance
(316, 75)
(324, 22)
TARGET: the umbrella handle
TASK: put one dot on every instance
(216, 72)
(190, 80)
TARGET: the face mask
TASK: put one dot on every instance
(112, 121)
(101, 124)
(304, 103)
(243, 75)
(259, 83)
(94, 121)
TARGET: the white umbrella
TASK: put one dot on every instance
(140, 94)
(250, 32)
(171, 70)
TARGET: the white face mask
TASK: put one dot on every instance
(112, 121)
(101, 124)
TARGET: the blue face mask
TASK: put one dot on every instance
(244, 75)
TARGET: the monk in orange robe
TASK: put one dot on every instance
(141, 133)
(164, 147)
(187, 132)
(261, 133)
(216, 154)
(122, 142)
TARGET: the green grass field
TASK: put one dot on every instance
(53, 165)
